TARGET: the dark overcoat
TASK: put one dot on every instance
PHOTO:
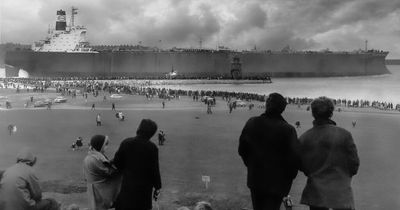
(329, 160)
(137, 159)
(267, 146)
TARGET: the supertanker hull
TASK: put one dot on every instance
(194, 64)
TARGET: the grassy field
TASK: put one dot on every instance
(197, 144)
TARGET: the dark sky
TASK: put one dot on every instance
(238, 24)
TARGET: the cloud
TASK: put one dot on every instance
(251, 16)
(272, 24)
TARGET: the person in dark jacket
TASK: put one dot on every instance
(137, 159)
(268, 146)
(329, 159)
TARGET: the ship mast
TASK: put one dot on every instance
(74, 11)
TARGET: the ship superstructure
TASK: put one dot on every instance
(64, 38)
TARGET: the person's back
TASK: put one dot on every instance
(267, 146)
(103, 183)
(137, 159)
(19, 187)
(140, 165)
(270, 161)
(329, 159)
(319, 144)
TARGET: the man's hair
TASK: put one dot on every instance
(322, 108)
(275, 103)
(147, 128)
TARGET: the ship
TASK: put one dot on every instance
(66, 52)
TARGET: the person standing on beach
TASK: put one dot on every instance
(209, 107)
(113, 106)
(268, 147)
(137, 159)
(329, 159)
(161, 137)
(93, 107)
(98, 120)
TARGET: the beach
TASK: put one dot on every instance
(197, 145)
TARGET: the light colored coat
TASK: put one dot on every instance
(103, 184)
(20, 188)
(329, 160)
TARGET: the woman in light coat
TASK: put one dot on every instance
(103, 181)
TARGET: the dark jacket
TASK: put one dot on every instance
(329, 160)
(137, 159)
(267, 146)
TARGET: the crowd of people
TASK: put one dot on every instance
(269, 147)
(86, 86)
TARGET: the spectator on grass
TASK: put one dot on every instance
(137, 159)
(20, 188)
(103, 181)
(161, 137)
(329, 159)
(267, 146)
(98, 120)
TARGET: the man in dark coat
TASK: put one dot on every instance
(268, 146)
(137, 159)
(329, 159)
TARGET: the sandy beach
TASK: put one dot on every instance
(197, 144)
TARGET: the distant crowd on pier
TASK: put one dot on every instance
(144, 87)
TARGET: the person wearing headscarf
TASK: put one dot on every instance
(268, 148)
(103, 181)
(19, 186)
(137, 159)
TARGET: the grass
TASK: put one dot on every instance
(197, 144)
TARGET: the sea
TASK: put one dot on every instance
(384, 88)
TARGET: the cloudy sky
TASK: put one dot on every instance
(238, 24)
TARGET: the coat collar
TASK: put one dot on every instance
(273, 115)
(319, 122)
(98, 155)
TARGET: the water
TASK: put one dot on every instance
(381, 87)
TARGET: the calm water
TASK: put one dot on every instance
(382, 87)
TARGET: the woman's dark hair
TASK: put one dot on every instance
(147, 128)
(322, 108)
